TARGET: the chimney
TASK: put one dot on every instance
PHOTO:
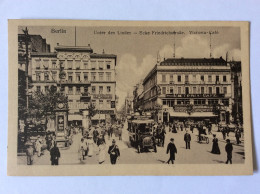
(58, 44)
(103, 51)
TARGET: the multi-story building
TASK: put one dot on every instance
(236, 78)
(88, 78)
(129, 107)
(138, 96)
(182, 88)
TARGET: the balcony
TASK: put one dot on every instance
(85, 97)
(71, 82)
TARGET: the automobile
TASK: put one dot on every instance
(141, 134)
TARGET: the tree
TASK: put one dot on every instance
(91, 110)
(44, 104)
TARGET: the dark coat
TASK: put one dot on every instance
(229, 148)
(55, 153)
(172, 149)
(187, 137)
(113, 150)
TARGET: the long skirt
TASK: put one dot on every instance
(215, 149)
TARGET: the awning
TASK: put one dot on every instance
(75, 117)
(99, 117)
(195, 114)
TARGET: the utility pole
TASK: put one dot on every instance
(27, 38)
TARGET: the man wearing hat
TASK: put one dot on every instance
(114, 152)
(229, 149)
(187, 139)
(29, 153)
(172, 149)
(95, 135)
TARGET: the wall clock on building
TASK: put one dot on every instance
(60, 105)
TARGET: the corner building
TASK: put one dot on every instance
(88, 78)
(189, 88)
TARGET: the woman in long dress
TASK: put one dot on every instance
(215, 148)
(90, 144)
(102, 153)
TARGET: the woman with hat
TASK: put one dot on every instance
(102, 153)
(114, 152)
(90, 144)
(215, 148)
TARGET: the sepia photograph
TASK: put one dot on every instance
(112, 95)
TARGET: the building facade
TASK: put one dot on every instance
(189, 88)
(87, 78)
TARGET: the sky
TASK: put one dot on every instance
(137, 52)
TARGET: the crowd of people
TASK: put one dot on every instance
(95, 137)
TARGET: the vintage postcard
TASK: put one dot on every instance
(129, 98)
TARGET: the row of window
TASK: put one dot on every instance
(172, 102)
(77, 104)
(45, 64)
(195, 90)
(53, 76)
(194, 78)
(79, 90)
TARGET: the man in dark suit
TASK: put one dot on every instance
(172, 149)
(55, 155)
(229, 149)
(114, 152)
(187, 139)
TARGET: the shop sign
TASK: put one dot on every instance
(194, 95)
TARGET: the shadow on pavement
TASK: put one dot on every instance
(219, 161)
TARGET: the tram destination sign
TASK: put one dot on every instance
(195, 95)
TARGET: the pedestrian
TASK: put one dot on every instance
(55, 155)
(120, 133)
(224, 132)
(82, 149)
(101, 139)
(114, 152)
(187, 139)
(163, 132)
(209, 129)
(38, 146)
(111, 130)
(228, 131)
(172, 149)
(29, 154)
(95, 135)
(229, 149)
(90, 146)
(238, 135)
(191, 128)
(108, 131)
(215, 148)
(101, 156)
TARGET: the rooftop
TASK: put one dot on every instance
(194, 61)
(74, 48)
